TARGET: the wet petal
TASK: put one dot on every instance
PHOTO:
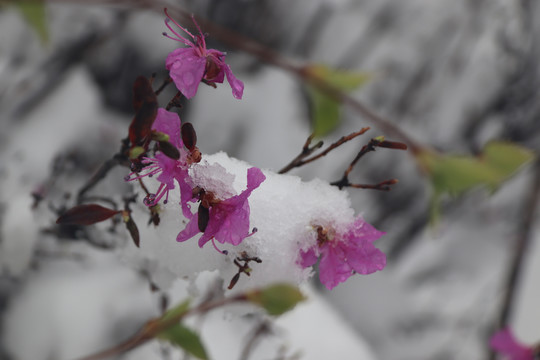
(169, 123)
(191, 229)
(333, 269)
(236, 85)
(307, 258)
(365, 260)
(186, 69)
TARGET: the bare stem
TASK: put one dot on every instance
(307, 151)
(522, 244)
(153, 327)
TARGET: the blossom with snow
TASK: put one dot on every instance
(506, 344)
(343, 253)
(190, 65)
(225, 220)
(169, 169)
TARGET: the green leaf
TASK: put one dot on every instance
(176, 311)
(326, 111)
(185, 338)
(276, 299)
(34, 13)
(455, 174)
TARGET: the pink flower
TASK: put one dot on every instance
(343, 254)
(168, 169)
(227, 220)
(505, 343)
(189, 66)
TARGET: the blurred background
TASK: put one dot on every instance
(452, 75)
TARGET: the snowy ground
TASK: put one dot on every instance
(452, 74)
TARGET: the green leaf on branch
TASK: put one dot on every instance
(276, 299)
(325, 110)
(455, 174)
(34, 13)
(176, 311)
(186, 339)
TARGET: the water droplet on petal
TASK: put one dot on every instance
(149, 200)
(188, 78)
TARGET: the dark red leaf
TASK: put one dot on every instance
(87, 214)
(189, 136)
(142, 92)
(204, 216)
(133, 231)
(169, 150)
(141, 126)
(145, 105)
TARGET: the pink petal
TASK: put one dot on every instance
(307, 258)
(169, 123)
(168, 167)
(332, 268)
(236, 85)
(255, 177)
(186, 193)
(362, 231)
(505, 343)
(367, 259)
(229, 224)
(191, 229)
(186, 68)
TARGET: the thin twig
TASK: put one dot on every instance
(155, 326)
(370, 146)
(522, 244)
(306, 150)
(262, 329)
(166, 82)
(97, 177)
(382, 186)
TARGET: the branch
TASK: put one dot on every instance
(307, 151)
(155, 326)
(522, 244)
(370, 146)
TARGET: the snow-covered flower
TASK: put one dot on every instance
(343, 253)
(190, 65)
(169, 169)
(225, 220)
(506, 344)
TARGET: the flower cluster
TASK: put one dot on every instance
(222, 212)
(167, 168)
(226, 220)
(343, 253)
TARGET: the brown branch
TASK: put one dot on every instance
(262, 329)
(153, 327)
(382, 186)
(307, 151)
(370, 146)
(523, 240)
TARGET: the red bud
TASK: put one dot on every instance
(189, 136)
